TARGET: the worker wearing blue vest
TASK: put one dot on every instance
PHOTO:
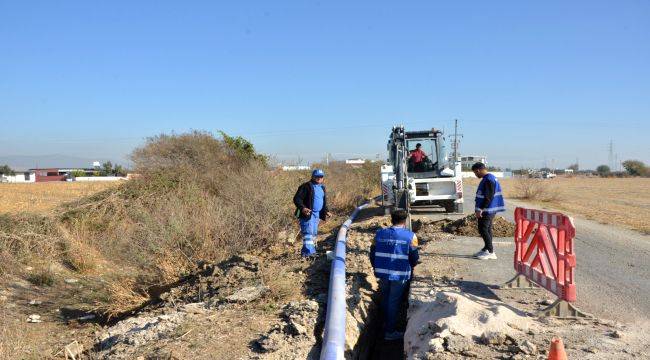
(311, 207)
(393, 256)
(489, 201)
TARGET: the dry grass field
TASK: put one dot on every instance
(43, 197)
(618, 201)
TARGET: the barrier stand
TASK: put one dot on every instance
(519, 282)
(544, 257)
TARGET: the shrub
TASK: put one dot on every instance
(199, 198)
(636, 168)
(603, 170)
(535, 190)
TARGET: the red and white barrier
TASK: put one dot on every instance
(544, 255)
(544, 250)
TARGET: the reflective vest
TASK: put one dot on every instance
(392, 247)
(497, 204)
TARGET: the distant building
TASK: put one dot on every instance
(468, 161)
(497, 174)
(49, 174)
(19, 177)
(295, 167)
(355, 161)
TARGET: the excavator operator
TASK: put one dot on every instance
(417, 157)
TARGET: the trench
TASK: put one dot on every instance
(372, 345)
(366, 312)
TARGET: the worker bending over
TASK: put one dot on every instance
(393, 255)
(489, 201)
(311, 207)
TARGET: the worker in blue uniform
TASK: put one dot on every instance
(311, 207)
(393, 255)
(489, 201)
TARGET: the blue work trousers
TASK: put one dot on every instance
(309, 230)
(391, 298)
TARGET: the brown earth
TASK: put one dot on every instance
(267, 305)
(468, 226)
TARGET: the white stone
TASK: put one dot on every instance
(436, 345)
(34, 318)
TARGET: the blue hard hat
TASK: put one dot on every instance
(318, 173)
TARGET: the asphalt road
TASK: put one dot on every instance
(612, 272)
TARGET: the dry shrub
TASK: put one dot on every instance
(27, 240)
(123, 295)
(197, 200)
(348, 187)
(535, 190)
(78, 254)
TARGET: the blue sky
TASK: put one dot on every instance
(531, 82)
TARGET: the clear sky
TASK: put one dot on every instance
(531, 82)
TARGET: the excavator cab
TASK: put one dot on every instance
(429, 166)
(426, 178)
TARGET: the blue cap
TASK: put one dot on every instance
(318, 173)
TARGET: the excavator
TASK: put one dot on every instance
(429, 179)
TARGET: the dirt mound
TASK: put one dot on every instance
(297, 324)
(451, 321)
(467, 226)
(218, 283)
(211, 288)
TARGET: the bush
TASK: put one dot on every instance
(636, 168)
(603, 170)
(348, 187)
(198, 199)
(534, 190)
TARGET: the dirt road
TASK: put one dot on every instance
(612, 273)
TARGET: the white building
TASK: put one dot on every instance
(355, 161)
(295, 167)
(20, 177)
(469, 160)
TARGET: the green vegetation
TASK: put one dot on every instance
(603, 170)
(636, 168)
(6, 170)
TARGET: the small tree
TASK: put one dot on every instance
(243, 148)
(107, 168)
(636, 168)
(6, 170)
(78, 173)
(603, 170)
(574, 167)
(119, 170)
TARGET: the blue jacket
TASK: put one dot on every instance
(488, 195)
(394, 253)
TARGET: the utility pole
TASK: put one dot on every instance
(455, 143)
(611, 154)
